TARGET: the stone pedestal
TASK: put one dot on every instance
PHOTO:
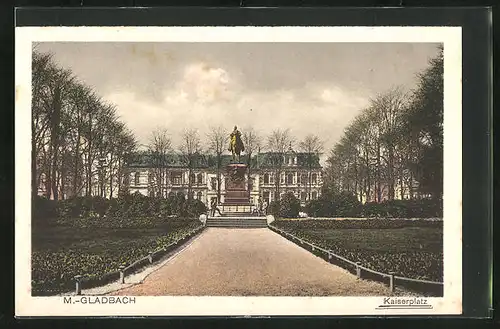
(236, 185)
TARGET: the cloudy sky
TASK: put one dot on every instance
(308, 88)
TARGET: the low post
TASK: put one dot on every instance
(122, 273)
(150, 257)
(78, 281)
(358, 271)
(329, 256)
(391, 281)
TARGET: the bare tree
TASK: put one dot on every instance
(217, 142)
(253, 142)
(72, 128)
(312, 146)
(159, 147)
(190, 149)
(278, 143)
(388, 108)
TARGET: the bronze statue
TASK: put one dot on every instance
(236, 144)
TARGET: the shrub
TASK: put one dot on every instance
(43, 209)
(346, 205)
(177, 204)
(320, 208)
(194, 208)
(289, 206)
(424, 208)
(165, 208)
(99, 205)
(342, 204)
(372, 209)
(274, 208)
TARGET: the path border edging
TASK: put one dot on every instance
(124, 271)
(422, 286)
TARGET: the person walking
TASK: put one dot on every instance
(214, 207)
(259, 207)
(264, 206)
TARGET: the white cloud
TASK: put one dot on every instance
(204, 83)
(206, 96)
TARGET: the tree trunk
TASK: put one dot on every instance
(249, 165)
(54, 140)
(190, 181)
(391, 173)
(378, 184)
(34, 180)
(356, 178)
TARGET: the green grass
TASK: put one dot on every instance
(400, 239)
(59, 252)
(411, 249)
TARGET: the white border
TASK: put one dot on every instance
(451, 303)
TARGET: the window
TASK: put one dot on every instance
(303, 196)
(176, 178)
(137, 175)
(192, 178)
(213, 183)
(200, 179)
(199, 195)
(266, 178)
(314, 195)
(303, 179)
(171, 195)
(314, 178)
(266, 196)
(289, 179)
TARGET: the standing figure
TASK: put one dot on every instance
(264, 206)
(236, 144)
(214, 207)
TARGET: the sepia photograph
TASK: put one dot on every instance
(201, 169)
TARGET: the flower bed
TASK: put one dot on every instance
(412, 249)
(64, 251)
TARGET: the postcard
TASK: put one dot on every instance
(238, 171)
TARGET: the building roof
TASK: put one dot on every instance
(209, 161)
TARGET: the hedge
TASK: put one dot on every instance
(287, 207)
(346, 205)
(126, 206)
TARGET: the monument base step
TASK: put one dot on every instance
(237, 222)
(236, 208)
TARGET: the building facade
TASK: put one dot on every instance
(298, 173)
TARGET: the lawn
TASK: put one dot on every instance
(59, 252)
(411, 249)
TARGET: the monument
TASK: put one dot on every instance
(237, 197)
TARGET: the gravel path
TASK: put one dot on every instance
(250, 262)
